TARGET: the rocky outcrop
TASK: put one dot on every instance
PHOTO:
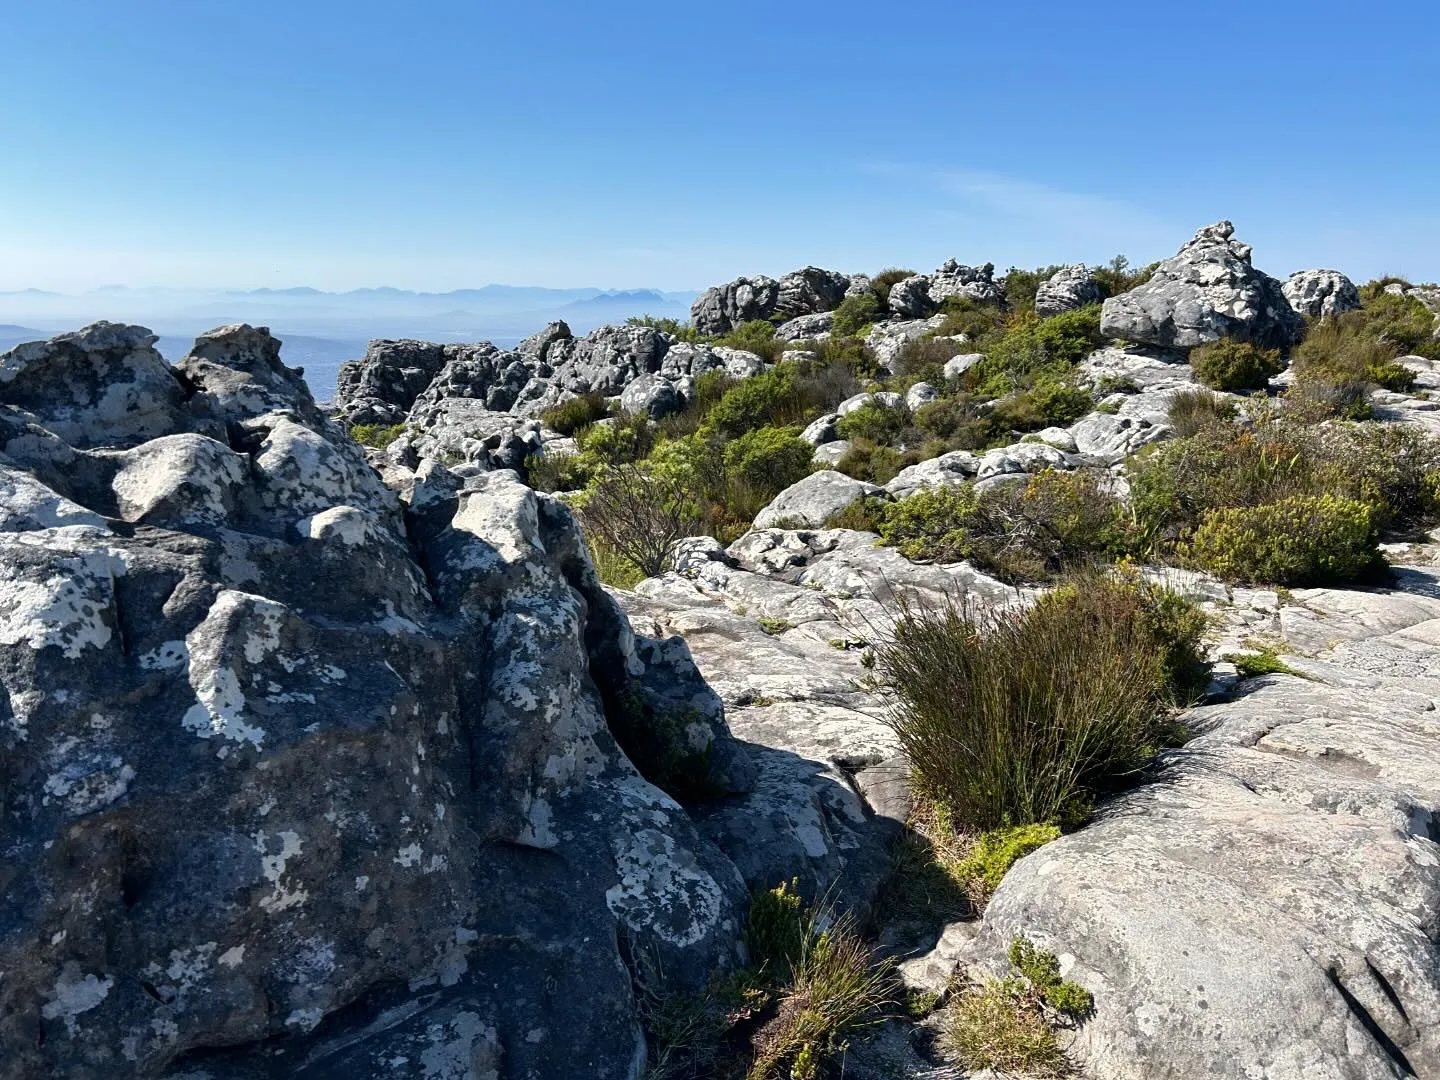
(1208, 291)
(1321, 293)
(804, 292)
(300, 779)
(808, 503)
(380, 388)
(1067, 289)
(1268, 905)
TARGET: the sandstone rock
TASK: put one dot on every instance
(812, 500)
(1114, 438)
(920, 393)
(1067, 289)
(829, 455)
(1025, 457)
(804, 292)
(1321, 293)
(1208, 291)
(806, 327)
(918, 296)
(961, 363)
(381, 387)
(821, 430)
(886, 340)
(956, 467)
(910, 297)
(651, 395)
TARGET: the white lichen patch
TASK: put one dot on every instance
(232, 957)
(64, 608)
(272, 865)
(165, 657)
(410, 855)
(343, 524)
(88, 782)
(662, 890)
(305, 1019)
(462, 1048)
(74, 993)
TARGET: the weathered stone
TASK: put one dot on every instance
(1321, 293)
(961, 363)
(652, 396)
(956, 467)
(804, 292)
(1067, 289)
(1207, 292)
(821, 430)
(810, 501)
(920, 393)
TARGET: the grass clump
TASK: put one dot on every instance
(1026, 717)
(378, 436)
(1298, 540)
(1192, 410)
(1235, 366)
(775, 627)
(1264, 662)
(570, 416)
(1009, 1024)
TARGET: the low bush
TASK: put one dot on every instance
(1235, 366)
(957, 420)
(570, 416)
(685, 331)
(1050, 402)
(971, 318)
(771, 399)
(1019, 717)
(1051, 523)
(639, 515)
(855, 313)
(1021, 286)
(1004, 1024)
(873, 421)
(1359, 348)
(995, 852)
(1300, 540)
(1116, 277)
(756, 336)
(378, 436)
(1035, 349)
(768, 459)
(885, 280)
(1191, 410)
(863, 515)
(871, 462)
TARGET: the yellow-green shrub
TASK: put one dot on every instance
(1235, 365)
(1301, 540)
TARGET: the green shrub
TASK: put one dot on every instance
(924, 358)
(378, 436)
(975, 320)
(863, 515)
(1041, 968)
(1035, 349)
(770, 399)
(638, 514)
(1115, 384)
(1191, 410)
(1361, 347)
(1116, 277)
(1021, 286)
(1265, 662)
(685, 331)
(873, 421)
(885, 280)
(1048, 403)
(996, 851)
(570, 416)
(869, 461)
(1301, 540)
(1235, 365)
(1020, 717)
(956, 420)
(768, 460)
(855, 313)
(930, 524)
(756, 336)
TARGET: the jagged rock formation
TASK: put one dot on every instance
(919, 295)
(1321, 293)
(1208, 291)
(804, 292)
(1067, 289)
(301, 780)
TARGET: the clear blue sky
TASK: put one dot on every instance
(436, 145)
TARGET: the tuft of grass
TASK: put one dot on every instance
(1265, 662)
(613, 568)
(1006, 1024)
(1018, 717)
(578, 412)
(1192, 410)
(775, 627)
(378, 436)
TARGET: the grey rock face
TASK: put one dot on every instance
(960, 363)
(918, 296)
(920, 393)
(1267, 906)
(810, 501)
(804, 292)
(1321, 293)
(302, 781)
(651, 395)
(821, 430)
(886, 340)
(956, 467)
(806, 327)
(381, 388)
(1067, 289)
(1209, 290)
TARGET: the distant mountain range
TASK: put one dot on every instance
(323, 329)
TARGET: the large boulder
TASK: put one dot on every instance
(1208, 291)
(919, 295)
(1321, 293)
(298, 780)
(381, 387)
(809, 502)
(1068, 288)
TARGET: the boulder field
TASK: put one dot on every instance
(319, 761)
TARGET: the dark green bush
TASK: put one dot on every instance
(1235, 365)
(956, 420)
(1116, 277)
(756, 336)
(1021, 286)
(975, 320)
(767, 461)
(863, 515)
(570, 416)
(378, 436)
(1356, 348)
(1034, 349)
(1050, 402)
(855, 313)
(882, 282)
(1301, 540)
(1016, 717)
(771, 399)
(931, 523)
(866, 460)
(874, 422)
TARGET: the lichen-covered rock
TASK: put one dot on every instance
(804, 292)
(1321, 293)
(381, 387)
(301, 781)
(652, 396)
(1068, 288)
(809, 502)
(1208, 291)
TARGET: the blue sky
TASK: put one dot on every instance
(438, 145)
